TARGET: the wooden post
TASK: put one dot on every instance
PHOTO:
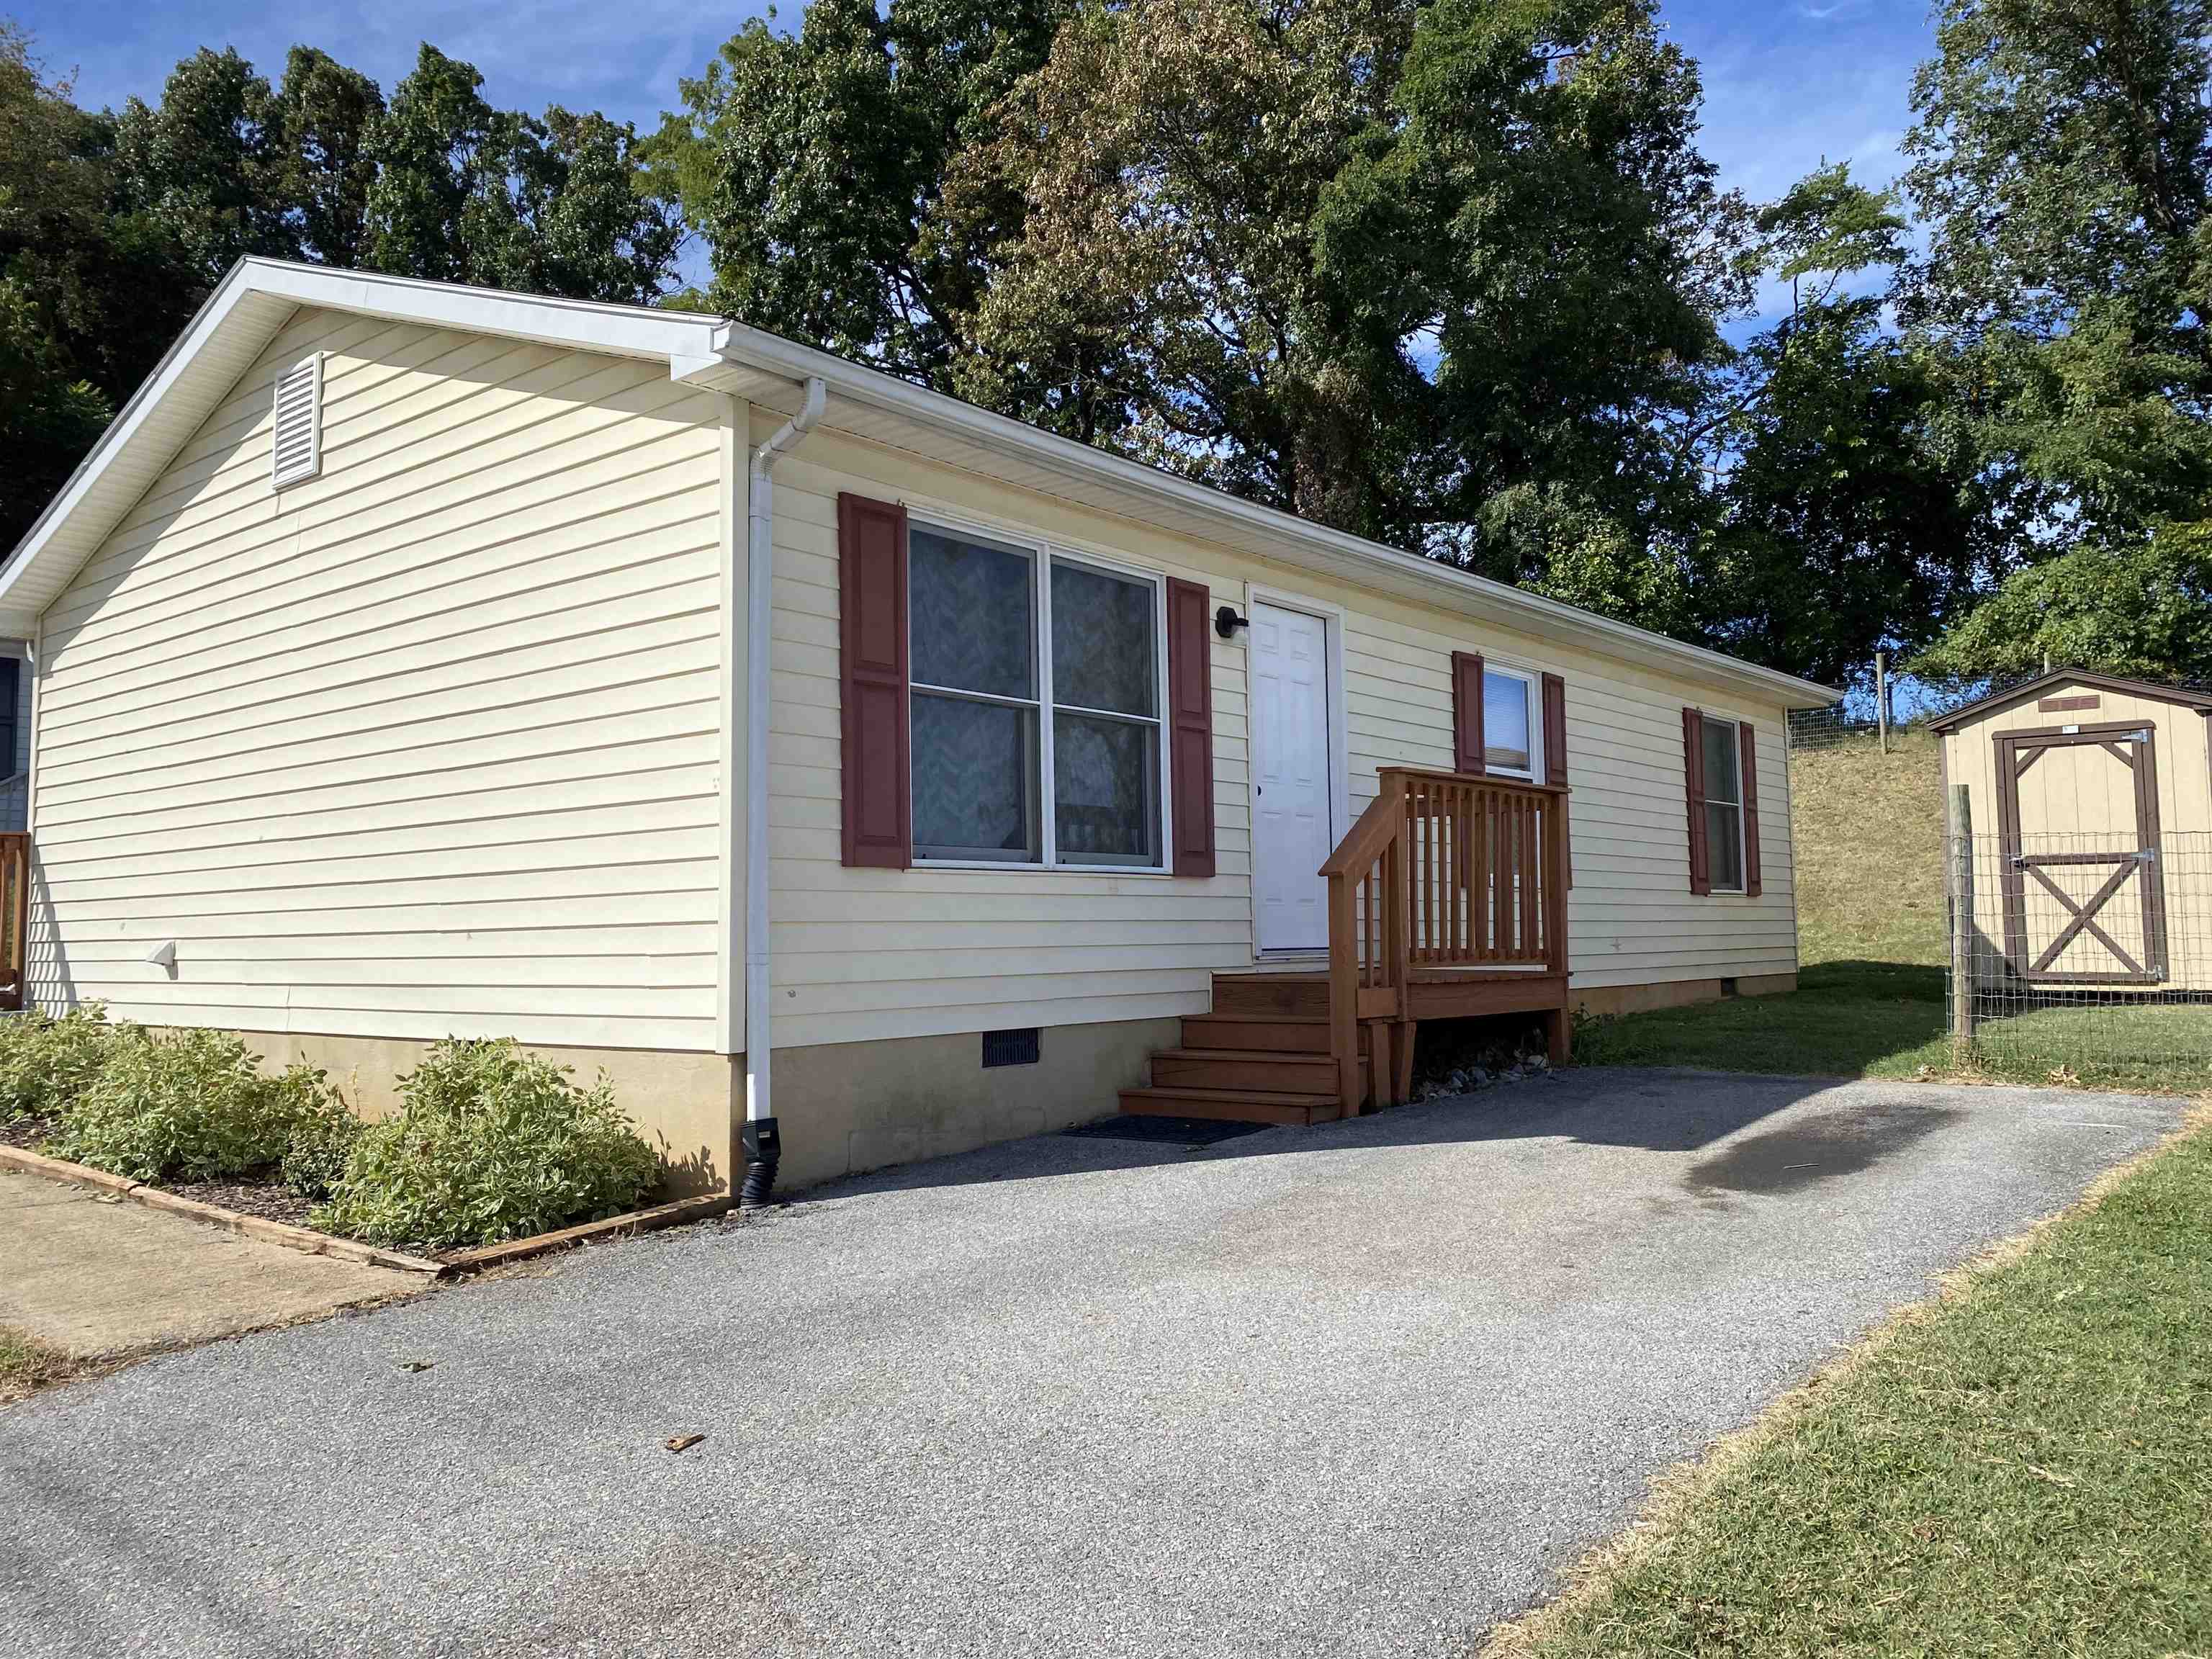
(1344, 992)
(1959, 867)
(1881, 696)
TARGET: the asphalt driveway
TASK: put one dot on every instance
(1351, 1390)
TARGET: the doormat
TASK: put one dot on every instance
(1173, 1131)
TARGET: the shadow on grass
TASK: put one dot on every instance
(1890, 1019)
(1844, 1019)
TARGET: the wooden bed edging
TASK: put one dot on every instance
(310, 1242)
(630, 1225)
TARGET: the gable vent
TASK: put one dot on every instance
(296, 451)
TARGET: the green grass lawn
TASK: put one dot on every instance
(1846, 1019)
(1889, 1019)
(2024, 1470)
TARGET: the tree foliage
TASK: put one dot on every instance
(2062, 164)
(814, 163)
(1454, 274)
(115, 227)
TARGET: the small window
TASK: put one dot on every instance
(1510, 742)
(1035, 715)
(1724, 805)
(296, 442)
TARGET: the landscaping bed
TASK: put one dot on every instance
(494, 1152)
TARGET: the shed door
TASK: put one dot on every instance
(2084, 887)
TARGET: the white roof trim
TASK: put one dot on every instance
(258, 294)
(1352, 555)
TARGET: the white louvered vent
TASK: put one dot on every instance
(296, 451)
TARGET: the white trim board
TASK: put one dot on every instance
(258, 296)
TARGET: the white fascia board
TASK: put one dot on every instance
(1354, 557)
(127, 425)
(587, 325)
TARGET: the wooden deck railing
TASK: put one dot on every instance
(1445, 873)
(15, 918)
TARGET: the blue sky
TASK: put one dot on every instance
(1786, 84)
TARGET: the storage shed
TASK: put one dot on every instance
(2090, 805)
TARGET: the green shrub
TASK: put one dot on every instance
(322, 1142)
(45, 1062)
(185, 1105)
(492, 1142)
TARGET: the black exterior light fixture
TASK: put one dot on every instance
(1226, 621)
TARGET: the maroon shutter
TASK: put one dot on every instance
(1555, 756)
(1466, 711)
(878, 790)
(1555, 731)
(1190, 727)
(1694, 770)
(1750, 768)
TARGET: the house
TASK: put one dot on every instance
(412, 660)
(2089, 796)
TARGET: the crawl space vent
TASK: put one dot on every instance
(296, 450)
(1011, 1048)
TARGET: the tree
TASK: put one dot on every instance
(1163, 297)
(2144, 611)
(199, 164)
(320, 168)
(466, 193)
(813, 164)
(1843, 526)
(2063, 160)
(1535, 234)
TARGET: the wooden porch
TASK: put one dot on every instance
(1446, 900)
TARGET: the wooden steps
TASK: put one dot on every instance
(1262, 1056)
(1235, 1105)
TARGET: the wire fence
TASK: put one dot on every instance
(2083, 958)
(1914, 705)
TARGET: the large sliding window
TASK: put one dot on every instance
(1030, 666)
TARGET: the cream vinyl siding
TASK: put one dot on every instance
(866, 953)
(425, 745)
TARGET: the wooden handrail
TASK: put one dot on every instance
(1445, 872)
(1363, 843)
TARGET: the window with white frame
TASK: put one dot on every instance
(1723, 804)
(1035, 705)
(1512, 733)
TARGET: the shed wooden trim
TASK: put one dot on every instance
(2181, 696)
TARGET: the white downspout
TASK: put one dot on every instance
(761, 1147)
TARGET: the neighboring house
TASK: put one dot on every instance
(408, 663)
(2093, 795)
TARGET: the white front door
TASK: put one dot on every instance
(1291, 836)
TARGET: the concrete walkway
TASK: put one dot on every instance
(1353, 1390)
(99, 1279)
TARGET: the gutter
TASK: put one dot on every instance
(761, 1146)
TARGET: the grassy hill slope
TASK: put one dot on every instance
(1869, 838)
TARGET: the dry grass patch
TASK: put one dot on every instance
(1868, 832)
(28, 1364)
